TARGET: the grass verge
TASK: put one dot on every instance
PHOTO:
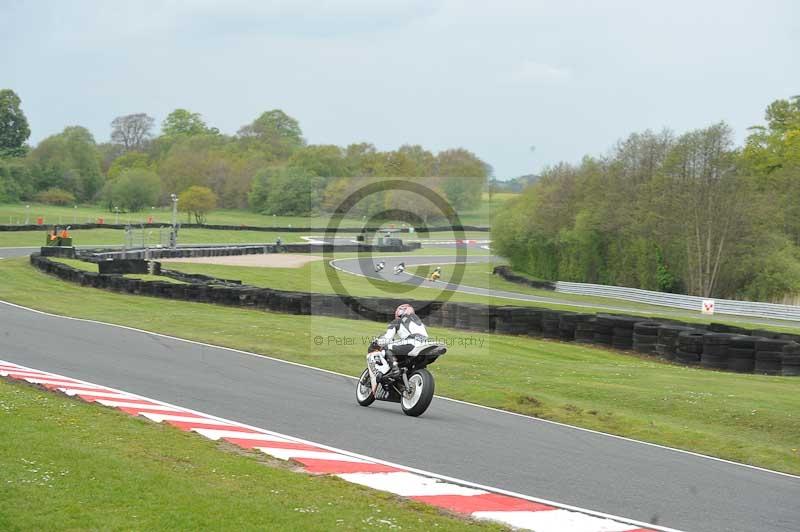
(68, 465)
(747, 418)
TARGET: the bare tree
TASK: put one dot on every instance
(704, 202)
(132, 131)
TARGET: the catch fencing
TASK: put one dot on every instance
(651, 297)
(695, 303)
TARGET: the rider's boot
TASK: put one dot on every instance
(394, 369)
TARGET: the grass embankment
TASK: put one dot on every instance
(748, 418)
(68, 465)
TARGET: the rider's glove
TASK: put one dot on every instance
(381, 341)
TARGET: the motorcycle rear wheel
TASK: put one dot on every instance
(364, 394)
(423, 384)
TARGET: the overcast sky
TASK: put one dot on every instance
(567, 77)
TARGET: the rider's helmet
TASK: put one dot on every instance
(404, 310)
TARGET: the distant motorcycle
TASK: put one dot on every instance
(380, 266)
(400, 268)
(413, 389)
(435, 275)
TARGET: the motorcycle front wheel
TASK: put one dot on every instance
(364, 394)
(422, 385)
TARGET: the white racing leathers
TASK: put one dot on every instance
(401, 336)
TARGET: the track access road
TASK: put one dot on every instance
(516, 453)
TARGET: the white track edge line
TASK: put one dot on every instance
(493, 409)
(399, 466)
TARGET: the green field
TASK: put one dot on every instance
(747, 418)
(69, 465)
(116, 237)
(18, 213)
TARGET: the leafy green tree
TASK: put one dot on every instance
(466, 177)
(364, 160)
(321, 160)
(294, 192)
(190, 161)
(56, 196)
(183, 122)
(771, 162)
(198, 202)
(258, 197)
(126, 161)
(69, 161)
(423, 162)
(14, 129)
(777, 145)
(133, 190)
(16, 182)
(276, 132)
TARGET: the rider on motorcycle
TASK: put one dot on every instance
(411, 332)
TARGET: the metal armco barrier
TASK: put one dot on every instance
(722, 306)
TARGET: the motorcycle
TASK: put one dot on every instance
(413, 389)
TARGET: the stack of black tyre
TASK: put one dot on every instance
(481, 318)
(790, 363)
(535, 321)
(449, 315)
(742, 354)
(566, 326)
(623, 332)
(584, 330)
(769, 352)
(690, 347)
(645, 337)
(604, 329)
(551, 321)
(513, 320)
(667, 343)
(463, 315)
(504, 320)
(715, 350)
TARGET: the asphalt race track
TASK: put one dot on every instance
(511, 452)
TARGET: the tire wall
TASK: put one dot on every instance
(716, 346)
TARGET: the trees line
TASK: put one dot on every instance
(690, 213)
(267, 166)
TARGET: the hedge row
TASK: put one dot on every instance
(506, 273)
(716, 346)
(36, 227)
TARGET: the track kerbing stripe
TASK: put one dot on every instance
(462, 498)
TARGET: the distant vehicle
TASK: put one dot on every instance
(380, 266)
(400, 268)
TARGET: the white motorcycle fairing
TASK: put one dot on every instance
(376, 364)
(424, 347)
